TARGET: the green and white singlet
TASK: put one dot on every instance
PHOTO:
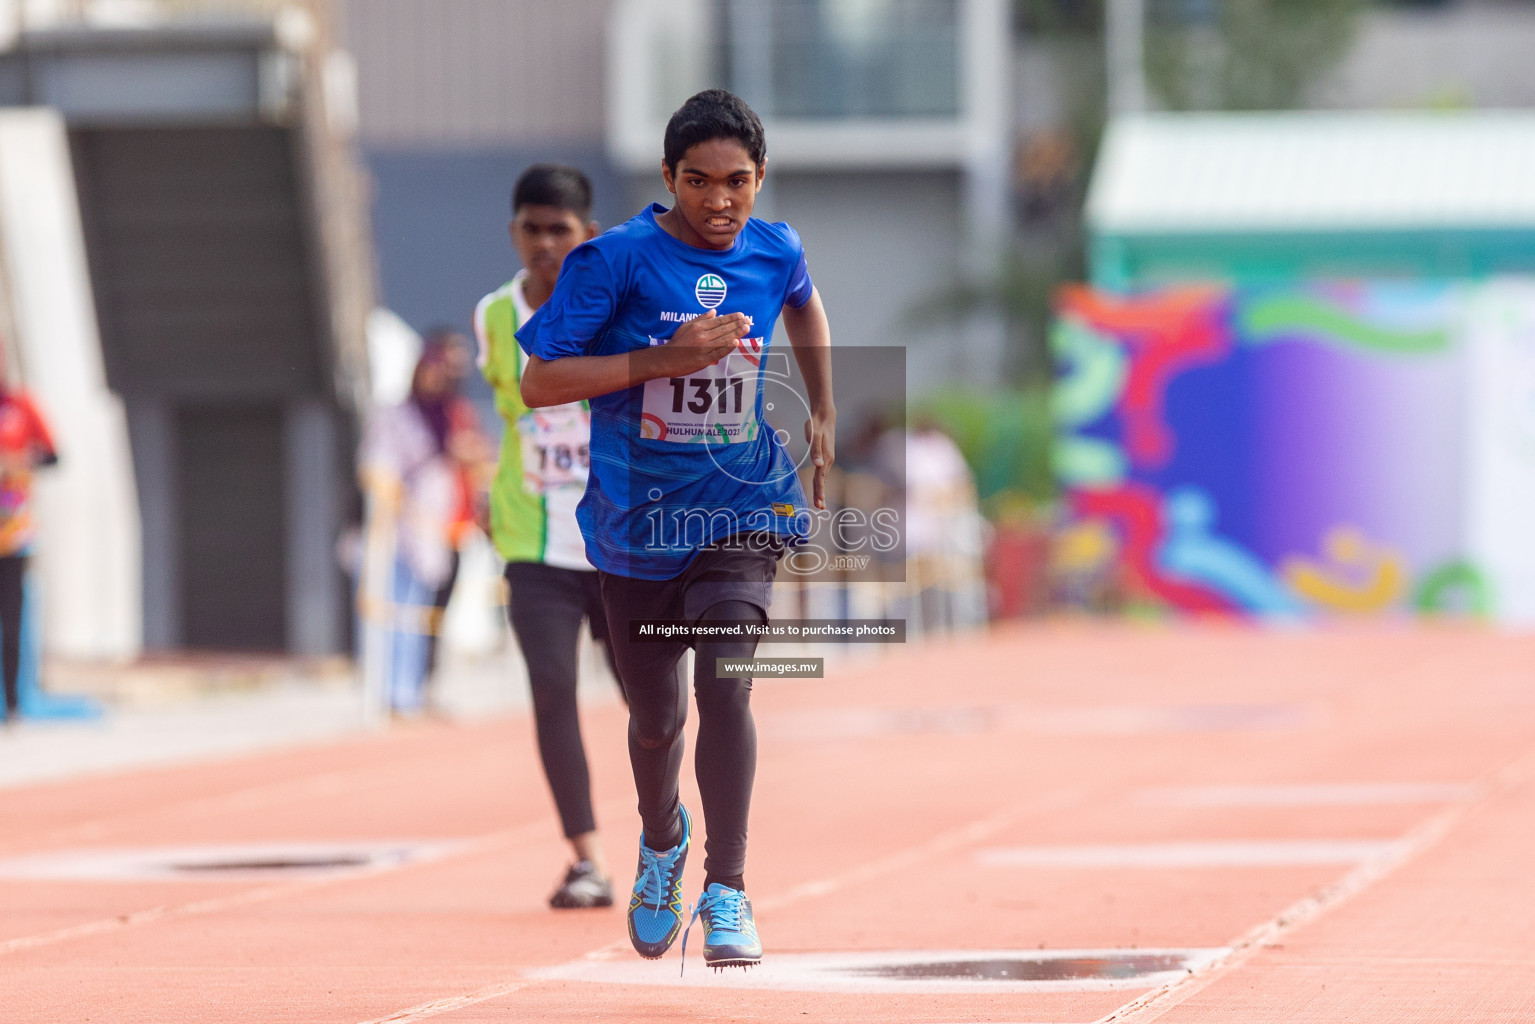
(545, 453)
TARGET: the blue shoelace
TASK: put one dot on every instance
(725, 910)
(654, 890)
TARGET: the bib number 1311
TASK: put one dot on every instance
(698, 394)
(715, 405)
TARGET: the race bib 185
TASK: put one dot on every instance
(556, 447)
(717, 404)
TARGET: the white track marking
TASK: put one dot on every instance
(1313, 795)
(448, 1005)
(111, 924)
(200, 863)
(1112, 720)
(945, 842)
(848, 972)
(1215, 854)
(1156, 1003)
(532, 831)
(246, 798)
(963, 835)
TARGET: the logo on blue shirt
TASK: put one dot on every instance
(710, 290)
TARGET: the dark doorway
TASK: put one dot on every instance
(230, 472)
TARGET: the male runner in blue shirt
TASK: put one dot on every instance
(692, 498)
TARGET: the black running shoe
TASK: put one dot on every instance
(583, 887)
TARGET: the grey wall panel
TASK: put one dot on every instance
(232, 475)
(13, 80)
(313, 465)
(152, 433)
(199, 262)
(478, 72)
(440, 216)
(877, 245)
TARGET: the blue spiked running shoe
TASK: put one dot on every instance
(655, 909)
(730, 931)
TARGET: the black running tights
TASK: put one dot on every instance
(13, 571)
(546, 608)
(726, 759)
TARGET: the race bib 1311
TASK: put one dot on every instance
(715, 405)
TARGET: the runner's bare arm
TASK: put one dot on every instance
(696, 344)
(810, 334)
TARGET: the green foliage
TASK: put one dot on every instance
(1244, 54)
(1005, 437)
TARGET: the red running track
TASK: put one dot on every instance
(1328, 826)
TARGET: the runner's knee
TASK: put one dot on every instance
(657, 722)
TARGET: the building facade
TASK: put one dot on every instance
(228, 279)
(888, 136)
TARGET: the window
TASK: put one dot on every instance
(829, 59)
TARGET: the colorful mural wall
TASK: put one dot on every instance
(1298, 451)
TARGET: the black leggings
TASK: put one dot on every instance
(440, 601)
(13, 571)
(726, 759)
(546, 607)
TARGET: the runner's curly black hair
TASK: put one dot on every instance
(714, 114)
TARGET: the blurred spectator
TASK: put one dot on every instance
(944, 529)
(25, 444)
(417, 462)
(1045, 171)
(470, 453)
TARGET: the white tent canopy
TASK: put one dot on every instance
(1314, 171)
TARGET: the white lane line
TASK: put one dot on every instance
(945, 842)
(1215, 854)
(337, 782)
(138, 917)
(894, 972)
(1312, 795)
(1113, 720)
(1154, 1004)
(236, 862)
(530, 832)
(244, 898)
(448, 1005)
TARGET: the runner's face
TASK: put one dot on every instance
(716, 187)
(544, 236)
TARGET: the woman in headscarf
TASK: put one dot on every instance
(415, 463)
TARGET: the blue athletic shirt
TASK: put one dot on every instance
(677, 463)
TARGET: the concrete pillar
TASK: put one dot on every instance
(87, 512)
(314, 578)
(152, 427)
